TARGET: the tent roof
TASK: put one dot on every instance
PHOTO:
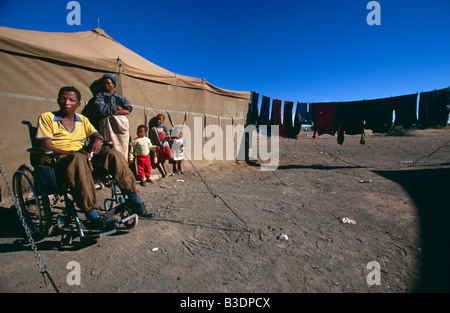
(95, 49)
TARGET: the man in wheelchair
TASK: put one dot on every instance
(66, 134)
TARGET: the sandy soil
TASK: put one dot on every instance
(394, 188)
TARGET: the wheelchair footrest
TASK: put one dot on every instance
(107, 233)
(69, 234)
(123, 221)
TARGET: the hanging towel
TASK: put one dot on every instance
(276, 116)
(302, 114)
(379, 114)
(264, 117)
(299, 118)
(405, 110)
(433, 108)
(288, 121)
(350, 117)
(324, 118)
(252, 114)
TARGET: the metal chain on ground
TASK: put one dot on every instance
(43, 268)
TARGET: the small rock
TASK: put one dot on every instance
(347, 220)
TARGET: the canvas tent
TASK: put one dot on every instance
(36, 64)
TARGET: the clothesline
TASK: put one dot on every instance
(351, 117)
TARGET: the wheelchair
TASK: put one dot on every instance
(47, 205)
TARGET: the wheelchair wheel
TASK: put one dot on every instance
(130, 223)
(35, 205)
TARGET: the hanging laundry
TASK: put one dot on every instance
(350, 118)
(405, 110)
(433, 108)
(252, 114)
(379, 114)
(299, 118)
(276, 116)
(302, 114)
(288, 121)
(324, 118)
(264, 117)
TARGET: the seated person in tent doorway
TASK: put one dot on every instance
(66, 133)
(107, 111)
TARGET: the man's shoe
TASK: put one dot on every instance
(136, 205)
(104, 223)
(146, 214)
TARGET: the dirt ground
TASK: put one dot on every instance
(394, 188)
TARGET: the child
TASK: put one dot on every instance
(163, 138)
(140, 147)
(178, 153)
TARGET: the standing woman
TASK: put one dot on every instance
(107, 112)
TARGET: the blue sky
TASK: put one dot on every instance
(311, 51)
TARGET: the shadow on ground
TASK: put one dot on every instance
(429, 190)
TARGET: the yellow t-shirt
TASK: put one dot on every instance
(50, 127)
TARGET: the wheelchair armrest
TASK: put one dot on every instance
(40, 151)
